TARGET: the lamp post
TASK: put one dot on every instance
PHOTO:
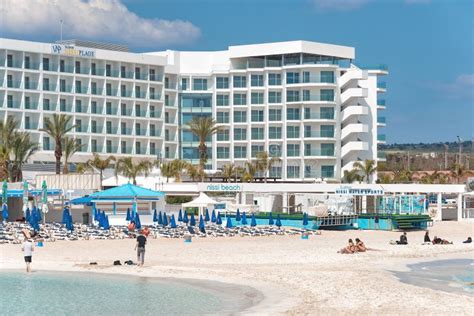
(460, 150)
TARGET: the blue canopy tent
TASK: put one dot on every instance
(180, 215)
(278, 221)
(213, 216)
(270, 219)
(253, 222)
(219, 219)
(192, 221)
(165, 219)
(172, 221)
(244, 219)
(237, 216)
(229, 222)
(206, 216)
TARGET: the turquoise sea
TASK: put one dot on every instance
(46, 293)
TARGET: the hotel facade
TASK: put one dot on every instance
(307, 103)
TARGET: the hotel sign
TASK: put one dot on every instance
(71, 50)
(221, 187)
(357, 191)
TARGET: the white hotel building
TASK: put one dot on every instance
(305, 102)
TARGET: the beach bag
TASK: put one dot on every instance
(117, 263)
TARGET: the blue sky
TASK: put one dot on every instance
(427, 44)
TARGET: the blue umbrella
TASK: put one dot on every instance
(65, 215)
(70, 224)
(278, 221)
(192, 221)
(305, 219)
(165, 219)
(172, 221)
(244, 219)
(38, 215)
(237, 216)
(213, 216)
(180, 216)
(229, 222)
(253, 222)
(138, 224)
(4, 212)
(206, 217)
(106, 222)
(160, 219)
(219, 219)
(201, 223)
(155, 216)
(185, 217)
(129, 216)
(27, 215)
(270, 219)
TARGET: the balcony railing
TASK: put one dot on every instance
(111, 92)
(15, 64)
(141, 76)
(381, 120)
(31, 106)
(318, 153)
(140, 113)
(125, 150)
(155, 114)
(32, 85)
(127, 112)
(49, 87)
(382, 67)
(13, 84)
(97, 129)
(319, 134)
(140, 95)
(31, 125)
(381, 155)
(140, 151)
(111, 149)
(155, 96)
(82, 70)
(125, 131)
(381, 102)
(111, 111)
(382, 85)
(381, 137)
(140, 131)
(65, 107)
(111, 130)
(82, 90)
(155, 133)
(318, 116)
(13, 104)
(156, 77)
(97, 91)
(81, 129)
(68, 69)
(126, 93)
(65, 88)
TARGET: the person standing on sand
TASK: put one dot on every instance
(140, 248)
(27, 247)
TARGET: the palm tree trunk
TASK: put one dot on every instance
(58, 153)
(101, 179)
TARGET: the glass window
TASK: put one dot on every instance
(274, 61)
(223, 153)
(222, 117)
(199, 84)
(327, 76)
(274, 97)
(256, 80)
(240, 116)
(78, 106)
(292, 96)
(45, 63)
(240, 81)
(293, 132)
(274, 115)
(327, 95)
(222, 83)
(184, 83)
(258, 133)
(196, 100)
(292, 59)
(327, 149)
(240, 134)
(256, 98)
(274, 79)
(240, 99)
(327, 113)
(292, 77)
(292, 172)
(292, 150)
(274, 132)
(46, 104)
(223, 135)
(275, 172)
(222, 100)
(240, 152)
(256, 149)
(293, 114)
(327, 171)
(257, 116)
(327, 130)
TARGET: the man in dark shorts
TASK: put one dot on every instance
(27, 247)
(140, 248)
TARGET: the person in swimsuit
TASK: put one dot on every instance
(349, 249)
(27, 247)
(360, 246)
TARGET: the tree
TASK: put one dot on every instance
(457, 171)
(167, 170)
(264, 163)
(368, 168)
(57, 128)
(131, 170)
(351, 176)
(99, 164)
(195, 172)
(385, 179)
(249, 172)
(71, 146)
(22, 149)
(203, 128)
(178, 166)
(7, 132)
(228, 171)
(402, 176)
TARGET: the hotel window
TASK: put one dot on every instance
(292, 132)
(62, 65)
(94, 127)
(292, 59)
(27, 122)
(46, 64)
(274, 79)
(327, 76)
(46, 143)
(123, 72)
(240, 152)
(62, 105)
(222, 100)
(256, 149)
(108, 89)
(138, 93)
(292, 96)
(167, 117)
(327, 149)
(27, 103)
(223, 153)
(9, 101)
(256, 80)
(152, 130)
(123, 109)
(222, 117)
(27, 62)
(293, 172)
(94, 107)
(123, 128)
(327, 171)
(123, 147)
(199, 84)
(240, 116)
(222, 83)
(223, 135)
(274, 115)
(27, 82)
(78, 106)
(9, 81)
(94, 87)
(94, 145)
(78, 125)
(62, 85)
(240, 99)
(108, 70)
(257, 115)
(274, 132)
(108, 108)
(256, 98)
(275, 172)
(137, 73)
(327, 130)
(257, 133)
(154, 77)
(240, 81)
(78, 67)
(46, 105)
(240, 134)
(292, 150)
(138, 148)
(109, 146)
(274, 97)
(306, 77)
(184, 84)
(108, 126)
(9, 60)
(153, 96)
(46, 84)
(93, 69)
(292, 77)
(293, 114)
(152, 149)
(327, 95)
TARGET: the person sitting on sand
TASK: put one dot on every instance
(146, 231)
(467, 241)
(131, 226)
(439, 241)
(360, 246)
(349, 249)
(403, 239)
(427, 237)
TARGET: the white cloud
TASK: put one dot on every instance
(339, 5)
(461, 88)
(105, 20)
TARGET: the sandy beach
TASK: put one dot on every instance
(295, 276)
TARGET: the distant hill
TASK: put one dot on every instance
(453, 147)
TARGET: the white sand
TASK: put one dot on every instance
(296, 276)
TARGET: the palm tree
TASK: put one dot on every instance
(7, 132)
(195, 172)
(167, 170)
(57, 128)
(351, 176)
(203, 128)
(71, 146)
(228, 171)
(402, 176)
(99, 164)
(239, 173)
(22, 149)
(385, 178)
(264, 163)
(368, 168)
(131, 170)
(457, 171)
(250, 171)
(178, 166)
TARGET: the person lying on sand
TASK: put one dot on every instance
(439, 241)
(360, 246)
(467, 241)
(349, 249)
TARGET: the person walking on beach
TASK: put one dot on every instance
(140, 248)
(27, 247)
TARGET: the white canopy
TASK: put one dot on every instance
(201, 201)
